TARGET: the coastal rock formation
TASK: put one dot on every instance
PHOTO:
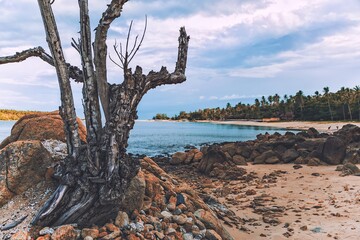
(170, 210)
(23, 164)
(306, 147)
(41, 126)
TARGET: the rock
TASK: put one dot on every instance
(46, 230)
(349, 169)
(211, 222)
(180, 219)
(122, 219)
(41, 126)
(20, 235)
(134, 195)
(188, 236)
(64, 232)
(212, 235)
(213, 156)
(23, 164)
(89, 232)
(264, 156)
(314, 161)
(334, 151)
(297, 166)
(189, 156)
(229, 148)
(178, 158)
(290, 155)
(239, 160)
(198, 156)
(349, 133)
(272, 160)
(166, 214)
(112, 235)
(312, 132)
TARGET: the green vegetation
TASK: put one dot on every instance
(343, 105)
(8, 114)
(161, 116)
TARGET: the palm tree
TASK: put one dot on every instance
(326, 94)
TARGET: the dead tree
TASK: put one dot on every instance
(94, 176)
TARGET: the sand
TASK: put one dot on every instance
(324, 206)
(296, 125)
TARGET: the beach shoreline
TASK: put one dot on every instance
(327, 126)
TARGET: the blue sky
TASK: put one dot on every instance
(239, 50)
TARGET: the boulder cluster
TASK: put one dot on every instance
(306, 147)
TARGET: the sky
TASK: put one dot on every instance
(239, 50)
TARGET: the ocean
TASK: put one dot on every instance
(160, 137)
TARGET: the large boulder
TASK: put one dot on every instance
(349, 133)
(214, 155)
(41, 126)
(265, 157)
(334, 150)
(23, 164)
(290, 155)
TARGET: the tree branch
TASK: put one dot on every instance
(100, 50)
(90, 91)
(74, 72)
(154, 79)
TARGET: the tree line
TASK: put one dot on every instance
(343, 105)
(10, 114)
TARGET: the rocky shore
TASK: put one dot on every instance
(273, 187)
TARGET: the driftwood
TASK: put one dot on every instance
(94, 176)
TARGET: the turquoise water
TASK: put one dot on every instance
(155, 138)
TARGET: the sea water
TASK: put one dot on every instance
(162, 137)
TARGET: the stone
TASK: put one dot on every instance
(312, 161)
(213, 156)
(41, 126)
(272, 160)
(349, 169)
(290, 155)
(46, 230)
(64, 232)
(178, 158)
(23, 164)
(264, 156)
(229, 148)
(20, 235)
(211, 222)
(112, 235)
(212, 235)
(239, 160)
(188, 236)
(179, 219)
(166, 214)
(198, 156)
(334, 151)
(122, 219)
(135, 193)
(89, 232)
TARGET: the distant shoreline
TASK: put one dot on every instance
(327, 126)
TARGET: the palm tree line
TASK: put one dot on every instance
(343, 105)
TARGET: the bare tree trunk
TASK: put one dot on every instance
(87, 199)
(95, 175)
(67, 109)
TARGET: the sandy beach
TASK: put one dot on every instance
(296, 125)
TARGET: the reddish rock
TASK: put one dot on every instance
(41, 126)
(178, 158)
(65, 232)
(22, 165)
(20, 235)
(92, 232)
